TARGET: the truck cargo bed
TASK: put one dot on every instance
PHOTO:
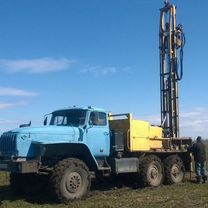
(141, 136)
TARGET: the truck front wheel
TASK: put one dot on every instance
(174, 169)
(70, 180)
(151, 171)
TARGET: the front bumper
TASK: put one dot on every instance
(31, 166)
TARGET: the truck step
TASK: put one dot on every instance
(104, 168)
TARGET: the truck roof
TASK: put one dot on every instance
(83, 108)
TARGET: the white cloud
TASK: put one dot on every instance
(6, 91)
(6, 125)
(153, 119)
(35, 66)
(193, 122)
(6, 105)
(8, 122)
(98, 71)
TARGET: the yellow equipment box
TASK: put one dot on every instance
(138, 135)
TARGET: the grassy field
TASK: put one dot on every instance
(113, 195)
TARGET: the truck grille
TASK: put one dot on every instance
(8, 143)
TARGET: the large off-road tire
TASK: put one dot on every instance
(27, 183)
(151, 171)
(70, 180)
(174, 169)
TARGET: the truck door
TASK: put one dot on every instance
(98, 134)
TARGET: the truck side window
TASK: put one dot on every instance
(98, 119)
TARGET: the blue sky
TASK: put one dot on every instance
(59, 53)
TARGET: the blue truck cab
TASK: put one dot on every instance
(66, 132)
(72, 143)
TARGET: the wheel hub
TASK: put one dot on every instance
(175, 171)
(154, 173)
(74, 182)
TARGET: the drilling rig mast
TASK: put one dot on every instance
(172, 41)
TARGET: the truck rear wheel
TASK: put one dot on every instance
(151, 171)
(70, 180)
(174, 169)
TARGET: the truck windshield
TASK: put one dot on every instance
(75, 117)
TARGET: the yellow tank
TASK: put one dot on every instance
(139, 135)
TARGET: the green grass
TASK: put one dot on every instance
(103, 195)
(187, 194)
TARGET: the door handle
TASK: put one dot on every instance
(106, 133)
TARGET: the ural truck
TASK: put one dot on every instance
(76, 142)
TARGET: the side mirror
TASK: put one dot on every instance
(45, 121)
